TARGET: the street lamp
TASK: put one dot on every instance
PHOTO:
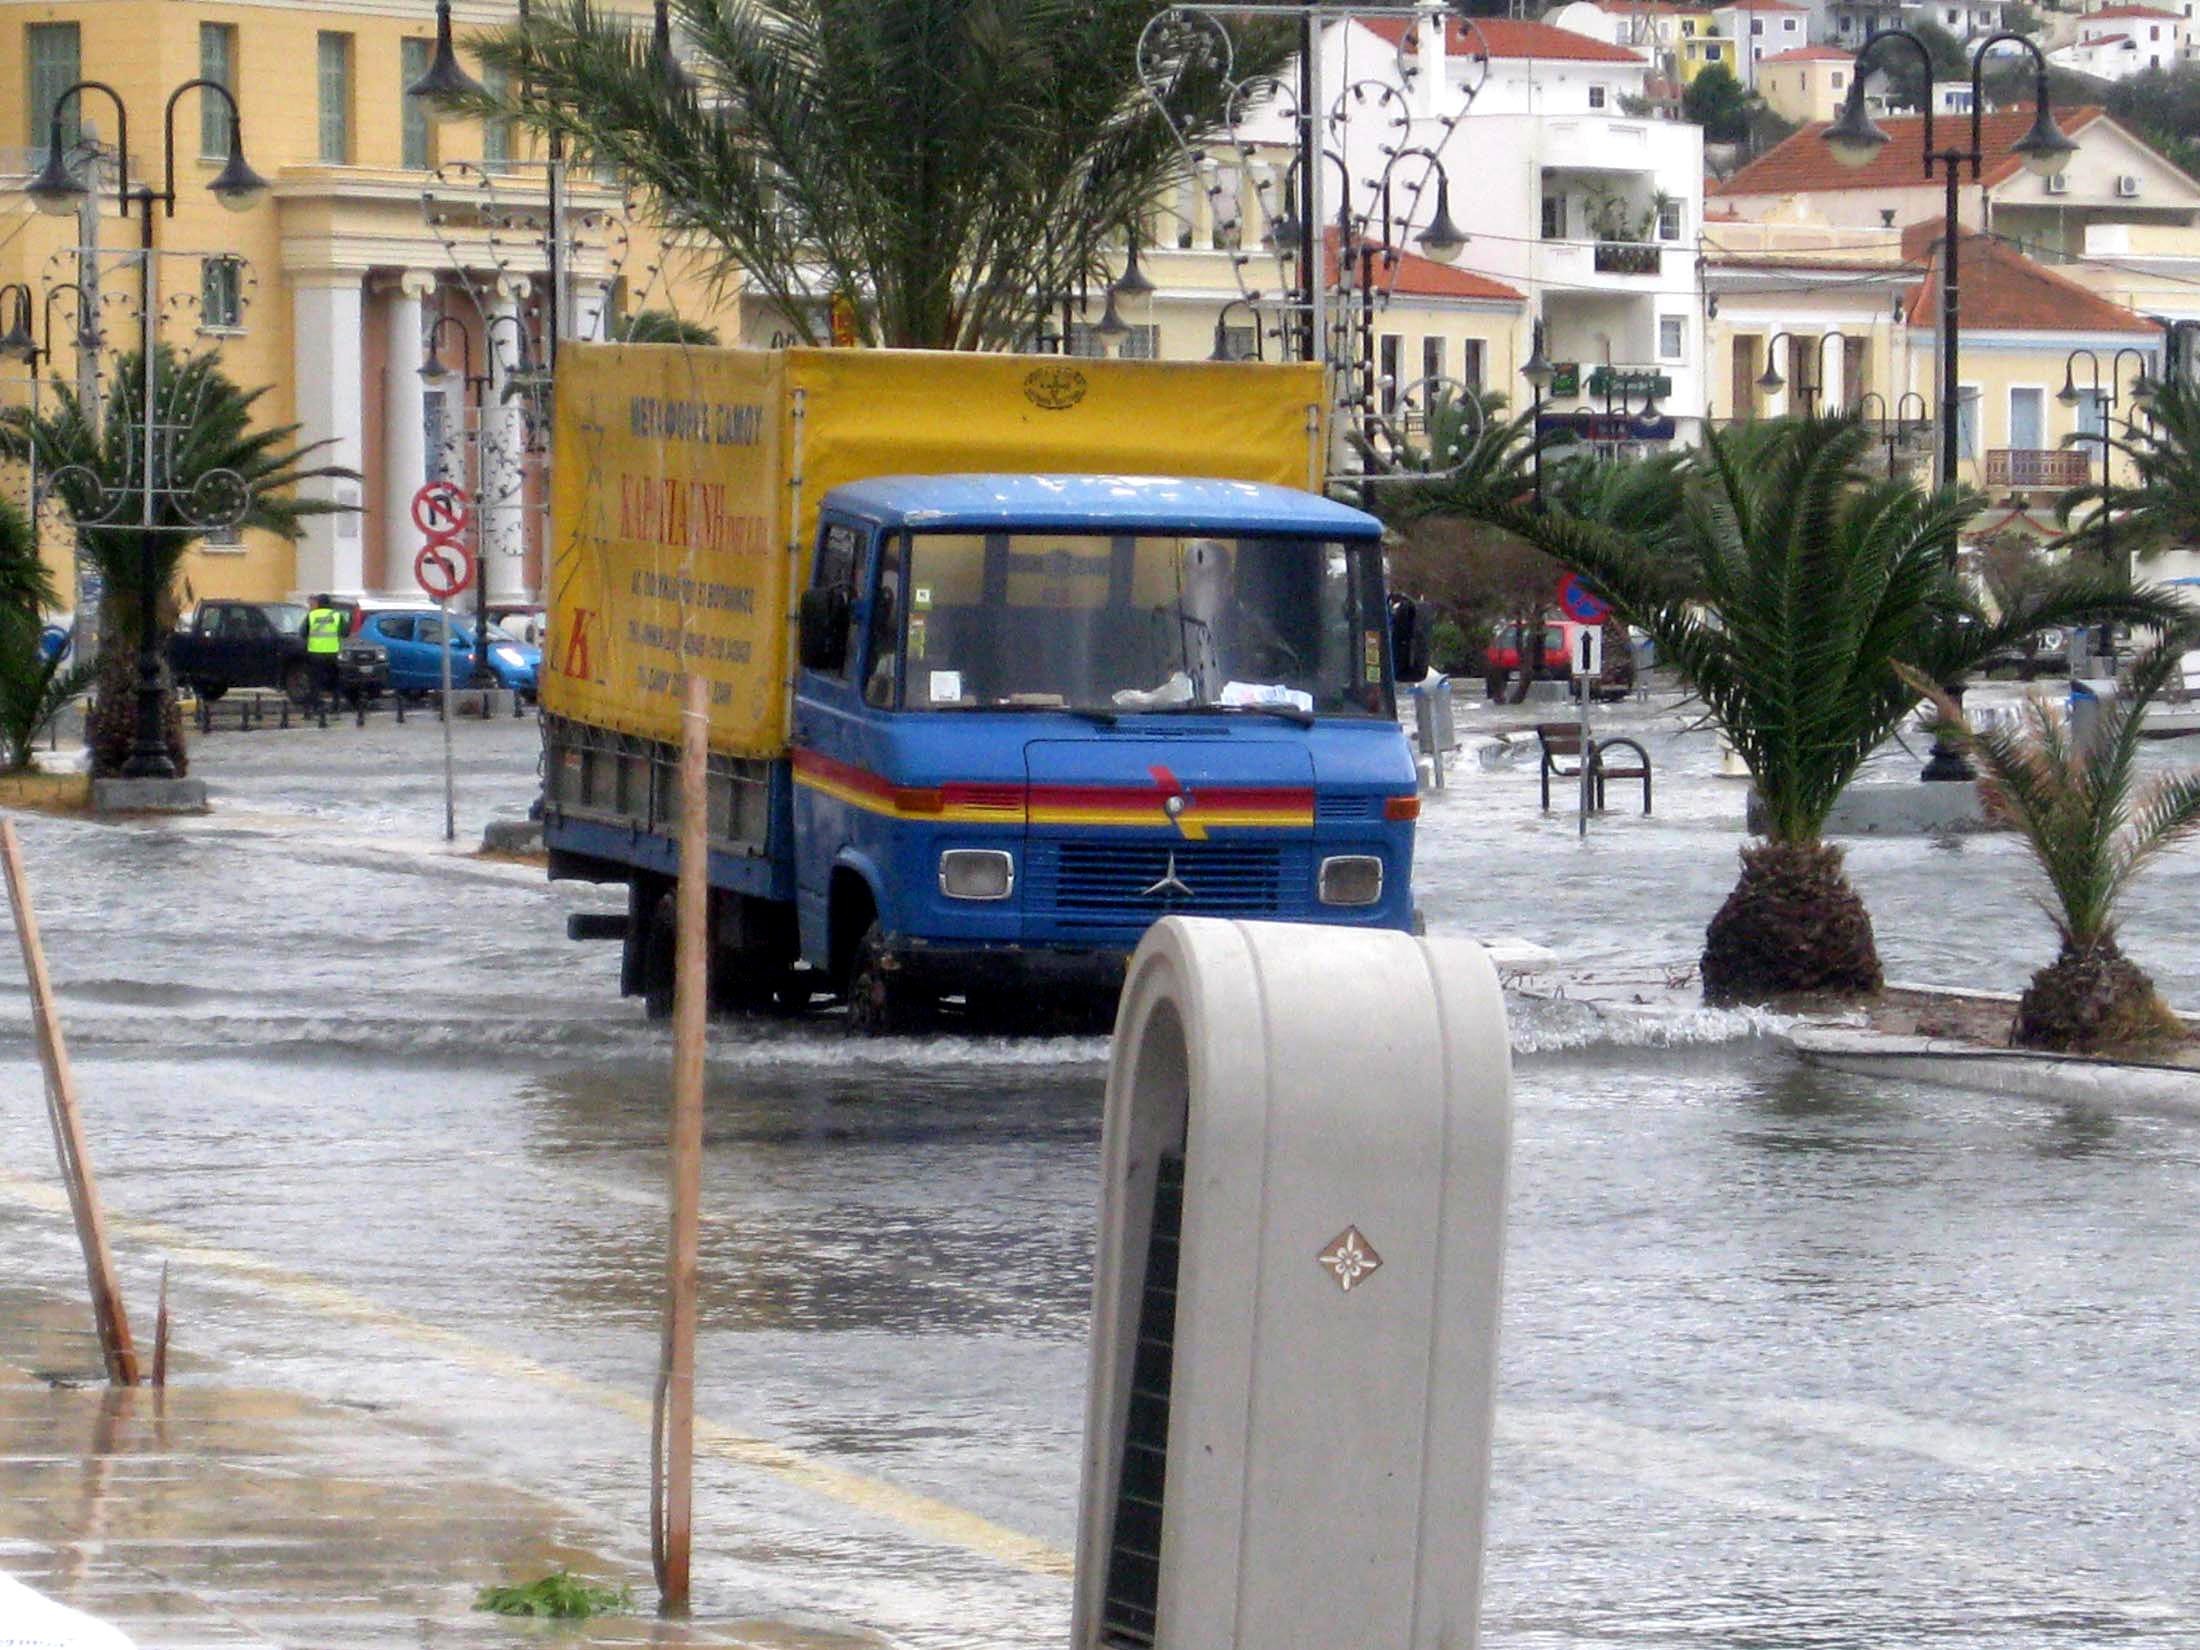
(1856, 141)
(1806, 390)
(446, 81)
(1893, 430)
(56, 191)
(2104, 401)
(1222, 350)
(1537, 371)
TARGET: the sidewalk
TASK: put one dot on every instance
(215, 1514)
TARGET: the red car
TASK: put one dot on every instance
(1502, 658)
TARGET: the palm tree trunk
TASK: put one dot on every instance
(110, 725)
(2092, 997)
(1792, 924)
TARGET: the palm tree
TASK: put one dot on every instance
(2091, 827)
(2161, 508)
(34, 688)
(662, 326)
(1806, 581)
(211, 465)
(933, 162)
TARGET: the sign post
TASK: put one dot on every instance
(444, 568)
(1590, 610)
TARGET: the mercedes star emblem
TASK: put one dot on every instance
(1171, 886)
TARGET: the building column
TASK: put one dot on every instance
(503, 456)
(327, 338)
(589, 301)
(404, 431)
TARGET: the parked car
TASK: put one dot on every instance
(415, 640)
(1501, 659)
(233, 644)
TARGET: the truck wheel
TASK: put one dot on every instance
(880, 1003)
(660, 965)
(298, 682)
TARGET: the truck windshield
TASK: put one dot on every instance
(1147, 622)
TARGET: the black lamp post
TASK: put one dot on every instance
(1806, 390)
(1222, 350)
(1893, 429)
(1856, 141)
(56, 190)
(2105, 401)
(1537, 371)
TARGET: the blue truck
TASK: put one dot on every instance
(1017, 716)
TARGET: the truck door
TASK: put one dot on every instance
(847, 673)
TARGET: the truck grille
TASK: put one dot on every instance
(1130, 881)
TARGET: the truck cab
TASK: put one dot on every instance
(1034, 713)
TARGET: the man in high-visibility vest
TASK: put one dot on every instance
(324, 642)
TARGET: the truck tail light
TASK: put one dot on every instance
(1401, 807)
(1351, 879)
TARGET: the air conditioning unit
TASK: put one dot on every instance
(2059, 184)
(2127, 186)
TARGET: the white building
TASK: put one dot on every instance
(2117, 41)
(1762, 29)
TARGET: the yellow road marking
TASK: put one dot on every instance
(922, 1515)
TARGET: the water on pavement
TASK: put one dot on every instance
(1789, 1358)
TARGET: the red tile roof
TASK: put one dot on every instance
(1508, 38)
(1810, 54)
(1420, 277)
(1804, 162)
(2004, 291)
(2127, 11)
(1761, 5)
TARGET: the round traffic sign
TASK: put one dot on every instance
(444, 568)
(441, 507)
(1579, 603)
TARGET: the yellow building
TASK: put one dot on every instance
(326, 288)
(1806, 83)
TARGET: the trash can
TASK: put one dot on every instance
(2087, 700)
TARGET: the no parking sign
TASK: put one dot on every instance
(1577, 601)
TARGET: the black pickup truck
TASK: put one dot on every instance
(226, 644)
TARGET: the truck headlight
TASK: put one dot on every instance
(977, 873)
(1351, 879)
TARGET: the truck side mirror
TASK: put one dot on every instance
(1409, 639)
(824, 627)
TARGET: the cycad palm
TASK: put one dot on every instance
(2091, 827)
(935, 162)
(96, 469)
(1805, 581)
(33, 687)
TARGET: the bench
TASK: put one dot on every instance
(1561, 742)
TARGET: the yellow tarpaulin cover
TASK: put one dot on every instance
(679, 472)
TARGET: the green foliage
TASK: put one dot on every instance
(1908, 86)
(945, 160)
(1451, 651)
(33, 688)
(2089, 823)
(561, 1594)
(2161, 508)
(1802, 581)
(1717, 102)
(2162, 106)
(661, 326)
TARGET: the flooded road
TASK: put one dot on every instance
(1789, 1358)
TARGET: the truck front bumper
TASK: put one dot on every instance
(952, 968)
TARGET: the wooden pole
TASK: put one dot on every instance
(690, 1002)
(68, 1129)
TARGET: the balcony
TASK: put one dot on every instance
(1628, 258)
(2044, 469)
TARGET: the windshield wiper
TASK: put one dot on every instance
(1289, 713)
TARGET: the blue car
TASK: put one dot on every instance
(415, 641)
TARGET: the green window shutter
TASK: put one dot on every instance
(335, 75)
(54, 53)
(218, 63)
(496, 135)
(413, 120)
